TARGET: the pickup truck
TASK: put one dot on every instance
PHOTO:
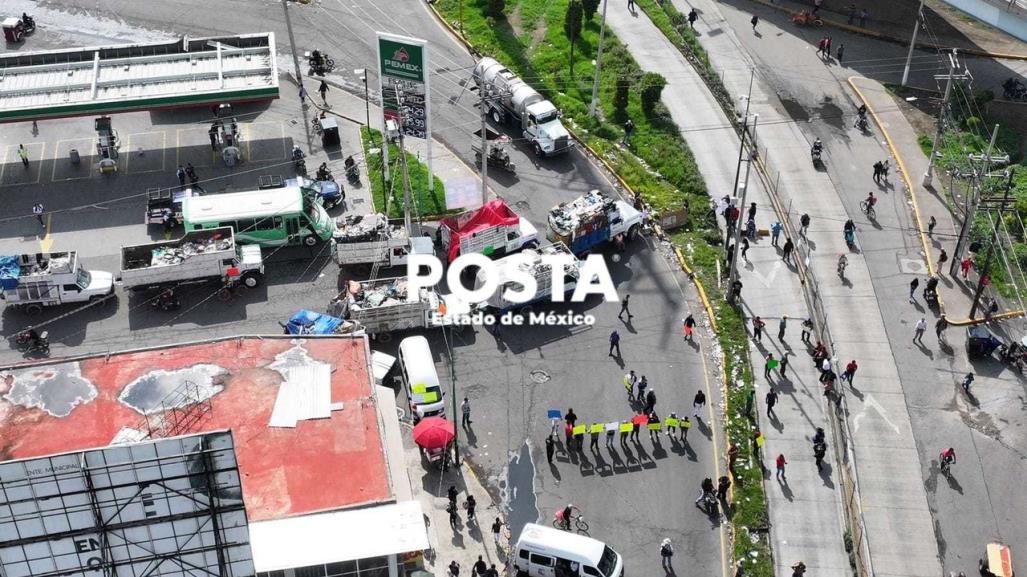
(493, 230)
(592, 219)
(381, 307)
(34, 281)
(199, 256)
(529, 261)
(372, 239)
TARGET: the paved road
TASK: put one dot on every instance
(980, 504)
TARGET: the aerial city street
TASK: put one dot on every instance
(538, 288)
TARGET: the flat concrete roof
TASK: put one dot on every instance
(320, 465)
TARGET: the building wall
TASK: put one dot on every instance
(373, 567)
(1010, 17)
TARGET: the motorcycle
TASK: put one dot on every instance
(32, 342)
(167, 301)
(352, 173)
(324, 173)
(862, 123)
(319, 63)
(298, 161)
(1013, 89)
(1014, 354)
(28, 23)
(815, 153)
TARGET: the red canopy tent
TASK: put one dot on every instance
(495, 213)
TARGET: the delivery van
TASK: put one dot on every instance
(420, 379)
(549, 552)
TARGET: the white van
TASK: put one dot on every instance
(548, 552)
(420, 379)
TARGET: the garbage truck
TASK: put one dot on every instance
(371, 239)
(199, 256)
(34, 281)
(530, 262)
(381, 306)
(511, 99)
(592, 219)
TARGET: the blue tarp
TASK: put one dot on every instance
(9, 271)
(310, 323)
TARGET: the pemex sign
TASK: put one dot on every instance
(403, 81)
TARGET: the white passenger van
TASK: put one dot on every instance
(548, 552)
(424, 392)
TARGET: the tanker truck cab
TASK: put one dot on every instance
(548, 552)
(543, 127)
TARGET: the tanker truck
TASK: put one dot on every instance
(511, 99)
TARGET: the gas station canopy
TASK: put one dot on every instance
(131, 77)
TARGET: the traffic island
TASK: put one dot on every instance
(387, 195)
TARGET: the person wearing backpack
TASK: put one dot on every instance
(666, 551)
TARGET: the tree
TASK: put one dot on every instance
(590, 7)
(652, 87)
(620, 95)
(572, 26)
(495, 8)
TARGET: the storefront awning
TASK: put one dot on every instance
(338, 536)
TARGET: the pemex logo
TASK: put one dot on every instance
(401, 55)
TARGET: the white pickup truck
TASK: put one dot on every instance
(199, 256)
(372, 239)
(34, 281)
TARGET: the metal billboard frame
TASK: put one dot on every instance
(163, 507)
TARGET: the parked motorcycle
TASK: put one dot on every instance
(32, 342)
(167, 301)
(352, 172)
(298, 161)
(1013, 89)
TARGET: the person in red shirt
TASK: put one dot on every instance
(850, 371)
(781, 462)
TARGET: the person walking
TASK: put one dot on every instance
(38, 210)
(745, 248)
(689, 323)
(827, 52)
(635, 427)
(454, 569)
(768, 365)
(787, 250)
(303, 95)
(775, 232)
(24, 154)
(939, 328)
(666, 552)
(213, 134)
(964, 266)
(750, 399)
(819, 450)
(654, 432)
(930, 226)
(624, 308)
(630, 380)
(323, 90)
(480, 567)
(781, 326)
(692, 17)
(452, 494)
(821, 47)
(685, 425)
(723, 484)
(642, 384)
(840, 52)
(631, 5)
(850, 371)
(754, 21)
(921, 326)
(614, 343)
(550, 448)
(967, 381)
(942, 259)
(650, 401)
(570, 417)
(771, 400)
(878, 169)
(180, 173)
(807, 329)
(470, 504)
(190, 171)
(804, 224)
(781, 462)
(912, 289)
(698, 404)
(629, 125)
(593, 443)
(757, 329)
(465, 409)
(784, 364)
(492, 572)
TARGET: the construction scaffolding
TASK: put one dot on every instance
(179, 411)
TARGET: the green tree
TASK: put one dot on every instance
(495, 8)
(590, 7)
(572, 26)
(620, 94)
(652, 87)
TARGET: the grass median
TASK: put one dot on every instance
(425, 203)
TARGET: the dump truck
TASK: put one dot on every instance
(34, 281)
(493, 230)
(381, 306)
(592, 219)
(530, 262)
(511, 99)
(372, 239)
(199, 256)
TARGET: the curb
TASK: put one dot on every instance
(902, 41)
(916, 213)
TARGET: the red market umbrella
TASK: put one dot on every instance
(434, 433)
(640, 419)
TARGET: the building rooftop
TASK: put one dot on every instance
(319, 465)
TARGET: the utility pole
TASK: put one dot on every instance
(991, 250)
(485, 93)
(741, 151)
(599, 60)
(912, 43)
(943, 111)
(292, 43)
(738, 225)
(975, 193)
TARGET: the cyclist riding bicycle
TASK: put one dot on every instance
(566, 516)
(871, 200)
(947, 458)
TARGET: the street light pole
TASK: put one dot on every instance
(362, 73)
(929, 175)
(599, 60)
(912, 43)
(292, 44)
(733, 276)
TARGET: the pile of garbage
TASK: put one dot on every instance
(368, 295)
(364, 228)
(170, 255)
(568, 217)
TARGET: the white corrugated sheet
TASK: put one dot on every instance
(306, 393)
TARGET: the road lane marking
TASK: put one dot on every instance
(47, 241)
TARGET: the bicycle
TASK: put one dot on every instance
(578, 520)
(868, 209)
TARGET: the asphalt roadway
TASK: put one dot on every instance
(981, 501)
(633, 496)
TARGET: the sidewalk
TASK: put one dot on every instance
(805, 510)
